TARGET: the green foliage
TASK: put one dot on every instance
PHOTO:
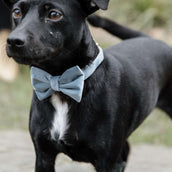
(141, 14)
(15, 102)
(142, 5)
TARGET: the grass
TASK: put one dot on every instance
(156, 129)
(141, 14)
(15, 102)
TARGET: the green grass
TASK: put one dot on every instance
(15, 102)
(141, 14)
(156, 129)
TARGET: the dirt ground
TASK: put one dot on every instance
(17, 155)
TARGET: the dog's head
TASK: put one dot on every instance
(43, 29)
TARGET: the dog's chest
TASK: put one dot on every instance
(60, 123)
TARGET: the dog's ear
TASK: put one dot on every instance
(102, 4)
(90, 6)
(9, 3)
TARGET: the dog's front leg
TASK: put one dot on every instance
(119, 167)
(109, 164)
(44, 162)
(45, 155)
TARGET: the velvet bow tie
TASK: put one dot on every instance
(71, 82)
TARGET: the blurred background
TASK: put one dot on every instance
(150, 16)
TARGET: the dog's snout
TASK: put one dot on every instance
(16, 42)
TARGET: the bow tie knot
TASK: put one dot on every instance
(54, 83)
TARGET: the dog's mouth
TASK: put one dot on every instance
(29, 56)
(28, 61)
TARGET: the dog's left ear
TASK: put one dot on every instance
(9, 3)
(90, 6)
(102, 4)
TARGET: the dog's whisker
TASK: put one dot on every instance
(3, 49)
(3, 45)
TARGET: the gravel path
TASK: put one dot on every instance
(17, 155)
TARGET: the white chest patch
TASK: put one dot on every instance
(60, 122)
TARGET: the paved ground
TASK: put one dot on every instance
(17, 155)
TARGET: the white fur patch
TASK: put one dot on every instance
(60, 122)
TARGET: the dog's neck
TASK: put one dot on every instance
(82, 55)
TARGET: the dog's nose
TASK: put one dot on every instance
(15, 42)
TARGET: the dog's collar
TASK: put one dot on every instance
(71, 82)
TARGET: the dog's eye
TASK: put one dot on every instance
(17, 13)
(55, 15)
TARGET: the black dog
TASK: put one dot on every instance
(135, 76)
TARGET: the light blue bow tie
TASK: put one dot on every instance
(71, 82)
